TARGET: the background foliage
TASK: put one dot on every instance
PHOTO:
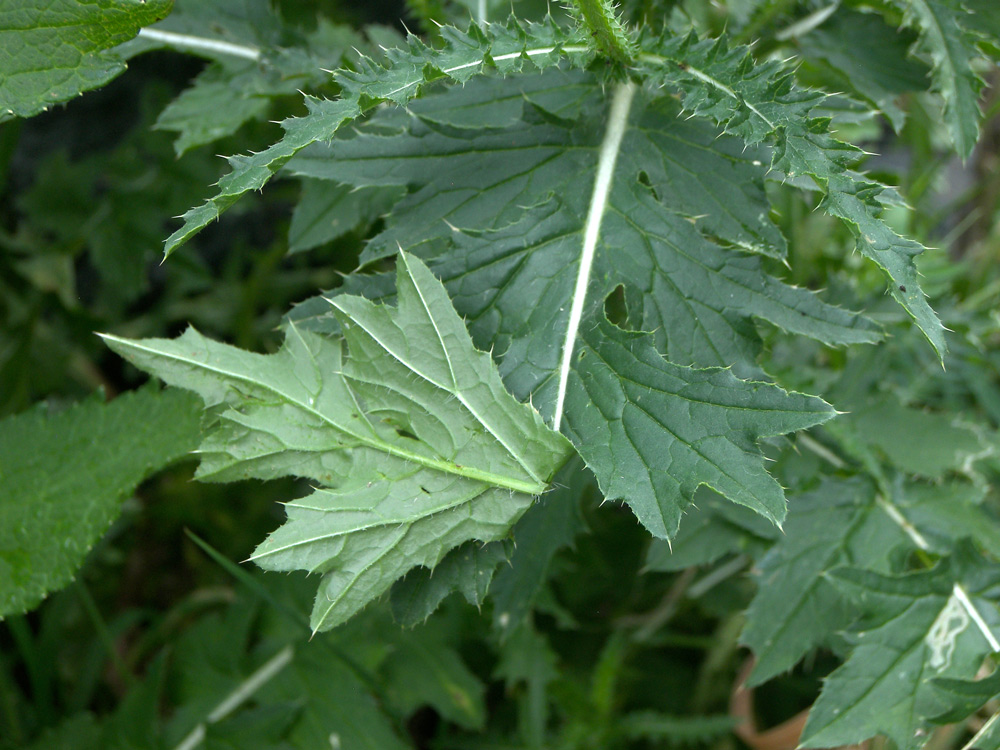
(582, 628)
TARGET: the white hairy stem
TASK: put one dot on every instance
(200, 44)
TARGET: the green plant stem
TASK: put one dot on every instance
(38, 676)
(650, 623)
(243, 692)
(610, 37)
(10, 717)
(103, 634)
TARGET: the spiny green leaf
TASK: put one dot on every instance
(914, 629)
(468, 569)
(506, 198)
(946, 29)
(516, 273)
(653, 432)
(796, 608)
(55, 50)
(64, 475)
(506, 48)
(416, 443)
(761, 102)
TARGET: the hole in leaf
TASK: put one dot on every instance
(405, 433)
(643, 179)
(615, 307)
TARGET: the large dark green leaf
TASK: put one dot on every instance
(653, 432)
(400, 77)
(511, 189)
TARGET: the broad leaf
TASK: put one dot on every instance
(54, 50)
(63, 476)
(673, 177)
(415, 443)
(653, 432)
(914, 629)
(519, 276)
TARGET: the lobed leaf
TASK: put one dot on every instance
(468, 569)
(518, 234)
(653, 432)
(760, 102)
(499, 213)
(796, 607)
(401, 76)
(947, 31)
(415, 443)
(915, 629)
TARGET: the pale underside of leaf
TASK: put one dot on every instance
(418, 445)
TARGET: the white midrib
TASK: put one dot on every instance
(621, 102)
(448, 467)
(958, 592)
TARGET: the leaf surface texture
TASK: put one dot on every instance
(415, 443)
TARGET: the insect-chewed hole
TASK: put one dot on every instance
(616, 308)
(643, 179)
